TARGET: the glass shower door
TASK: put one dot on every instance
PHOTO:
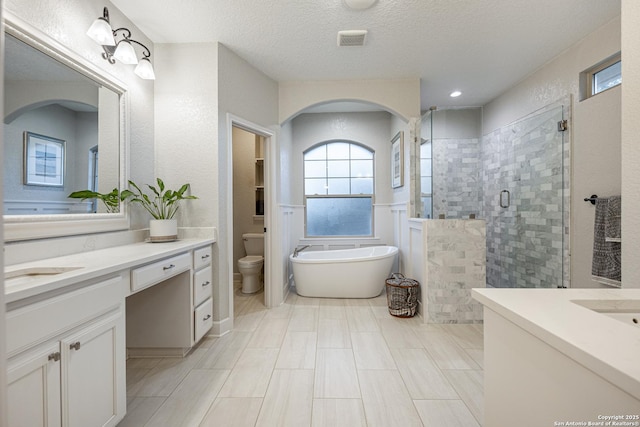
(531, 203)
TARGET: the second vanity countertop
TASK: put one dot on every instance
(90, 265)
(560, 318)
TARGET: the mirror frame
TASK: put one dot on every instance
(26, 227)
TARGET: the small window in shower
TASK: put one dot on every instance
(601, 77)
(339, 189)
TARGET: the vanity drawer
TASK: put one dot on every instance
(201, 286)
(203, 319)
(150, 274)
(201, 257)
(45, 319)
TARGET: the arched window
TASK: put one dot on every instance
(339, 189)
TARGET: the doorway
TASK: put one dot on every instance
(248, 205)
(249, 173)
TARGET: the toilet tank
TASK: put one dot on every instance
(253, 243)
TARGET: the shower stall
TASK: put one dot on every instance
(516, 178)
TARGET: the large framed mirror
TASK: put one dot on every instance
(65, 130)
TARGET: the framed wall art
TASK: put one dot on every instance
(43, 160)
(397, 160)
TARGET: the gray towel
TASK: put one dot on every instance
(612, 221)
(607, 256)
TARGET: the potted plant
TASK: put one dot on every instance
(162, 204)
(111, 200)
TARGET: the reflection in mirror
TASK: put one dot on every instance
(45, 97)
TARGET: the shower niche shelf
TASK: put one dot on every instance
(259, 177)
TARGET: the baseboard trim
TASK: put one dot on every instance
(140, 353)
(221, 327)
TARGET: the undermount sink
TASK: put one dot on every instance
(34, 272)
(625, 311)
(632, 319)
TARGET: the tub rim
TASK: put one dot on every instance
(391, 251)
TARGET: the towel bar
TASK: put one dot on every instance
(591, 199)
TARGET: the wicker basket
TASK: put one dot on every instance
(402, 295)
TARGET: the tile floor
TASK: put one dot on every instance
(315, 362)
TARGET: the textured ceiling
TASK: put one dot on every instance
(481, 47)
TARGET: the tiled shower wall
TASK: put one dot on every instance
(527, 244)
(525, 240)
(457, 171)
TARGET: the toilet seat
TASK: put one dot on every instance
(250, 261)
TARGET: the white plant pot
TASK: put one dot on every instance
(163, 230)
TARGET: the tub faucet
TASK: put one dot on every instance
(296, 251)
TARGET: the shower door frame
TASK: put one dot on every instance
(511, 192)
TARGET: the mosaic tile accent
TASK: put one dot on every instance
(455, 263)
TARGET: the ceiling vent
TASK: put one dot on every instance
(352, 37)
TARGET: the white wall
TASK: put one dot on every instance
(596, 132)
(630, 145)
(186, 112)
(284, 164)
(459, 123)
(398, 96)
(553, 81)
(186, 146)
(285, 213)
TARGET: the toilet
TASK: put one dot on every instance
(251, 265)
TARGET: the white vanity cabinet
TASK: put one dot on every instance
(170, 308)
(66, 358)
(68, 333)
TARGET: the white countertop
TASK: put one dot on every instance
(604, 345)
(92, 264)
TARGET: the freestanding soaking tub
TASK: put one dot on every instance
(344, 273)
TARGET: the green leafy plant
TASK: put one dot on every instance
(111, 200)
(161, 203)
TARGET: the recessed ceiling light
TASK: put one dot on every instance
(359, 4)
(455, 94)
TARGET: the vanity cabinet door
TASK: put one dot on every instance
(90, 374)
(34, 397)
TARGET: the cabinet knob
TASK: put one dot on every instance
(207, 283)
(205, 256)
(75, 346)
(207, 317)
(169, 267)
(55, 356)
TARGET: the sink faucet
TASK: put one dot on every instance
(296, 251)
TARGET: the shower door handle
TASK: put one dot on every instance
(505, 199)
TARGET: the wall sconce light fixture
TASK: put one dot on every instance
(121, 50)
